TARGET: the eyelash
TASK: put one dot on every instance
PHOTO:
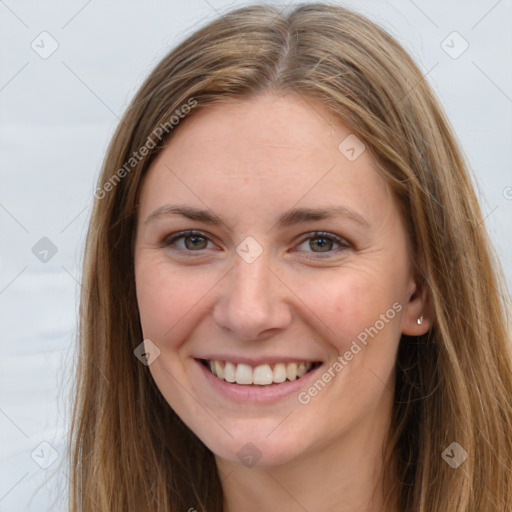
(343, 243)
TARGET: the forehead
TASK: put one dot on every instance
(265, 153)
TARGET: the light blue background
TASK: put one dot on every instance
(56, 118)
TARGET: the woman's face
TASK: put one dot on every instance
(267, 246)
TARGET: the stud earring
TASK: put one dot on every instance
(420, 320)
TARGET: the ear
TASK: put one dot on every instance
(417, 306)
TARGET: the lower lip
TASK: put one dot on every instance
(255, 393)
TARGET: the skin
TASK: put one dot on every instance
(248, 161)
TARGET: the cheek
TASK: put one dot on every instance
(169, 298)
(361, 317)
(352, 300)
(157, 301)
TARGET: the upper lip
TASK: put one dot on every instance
(251, 361)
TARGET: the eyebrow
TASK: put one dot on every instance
(286, 219)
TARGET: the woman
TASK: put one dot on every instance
(290, 298)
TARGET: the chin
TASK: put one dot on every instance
(258, 448)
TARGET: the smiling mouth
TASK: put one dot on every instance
(261, 375)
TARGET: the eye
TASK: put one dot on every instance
(320, 242)
(187, 241)
(196, 241)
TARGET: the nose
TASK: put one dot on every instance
(253, 302)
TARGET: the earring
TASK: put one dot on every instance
(420, 320)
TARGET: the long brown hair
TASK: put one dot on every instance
(129, 450)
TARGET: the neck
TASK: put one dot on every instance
(342, 475)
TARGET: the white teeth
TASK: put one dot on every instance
(301, 369)
(243, 374)
(261, 375)
(219, 371)
(291, 371)
(229, 372)
(279, 373)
